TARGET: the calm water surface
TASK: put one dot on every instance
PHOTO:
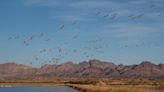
(37, 89)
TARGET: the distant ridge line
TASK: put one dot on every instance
(86, 69)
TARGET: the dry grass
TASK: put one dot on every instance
(93, 85)
(117, 88)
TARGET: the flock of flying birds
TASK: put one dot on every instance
(96, 45)
(113, 16)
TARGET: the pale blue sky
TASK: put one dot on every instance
(119, 31)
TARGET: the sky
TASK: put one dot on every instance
(37, 32)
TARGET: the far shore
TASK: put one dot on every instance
(30, 84)
(97, 85)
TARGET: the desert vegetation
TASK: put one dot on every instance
(120, 86)
(97, 85)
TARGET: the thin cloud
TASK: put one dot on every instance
(71, 17)
(95, 4)
(42, 2)
(131, 30)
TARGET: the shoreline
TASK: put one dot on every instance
(118, 88)
(30, 84)
(96, 86)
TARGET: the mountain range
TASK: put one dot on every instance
(86, 69)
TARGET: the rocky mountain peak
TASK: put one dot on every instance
(94, 68)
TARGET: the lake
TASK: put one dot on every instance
(37, 89)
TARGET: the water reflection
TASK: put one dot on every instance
(37, 89)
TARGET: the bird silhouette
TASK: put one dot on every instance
(140, 16)
(98, 13)
(161, 14)
(62, 27)
(17, 37)
(107, 15)
(152, 6)
(47, 39)
(113, 16)
(76, 24)
(41, 34)
(9, 38)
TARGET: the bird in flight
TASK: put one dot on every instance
(113, 16)
(106, 15)
(41, 35)
(17, 37)
(76, 24)
(9, 38)
(140, 16)
(62, 27)
(98, 13)
(47, 39)
(152, 6)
